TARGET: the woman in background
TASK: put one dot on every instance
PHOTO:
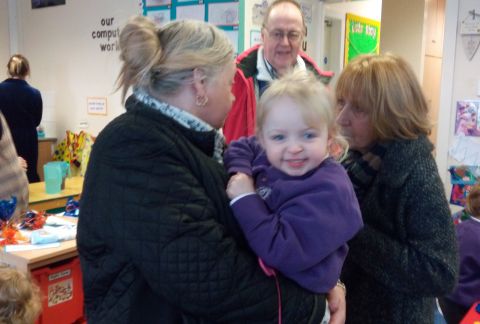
(22, 106)
(156, 237)
(406, 253)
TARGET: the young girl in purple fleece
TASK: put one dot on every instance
(467, 291)
(293, 200)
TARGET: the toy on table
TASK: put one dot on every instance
(9, 232)
(33, 220)
(72, 207)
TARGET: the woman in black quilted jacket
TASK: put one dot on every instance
(156, 237)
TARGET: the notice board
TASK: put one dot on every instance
(362, 36)
(225, 14)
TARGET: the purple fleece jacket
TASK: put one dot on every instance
(467, 290)
(297, 225)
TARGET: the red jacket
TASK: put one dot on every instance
(241, 118)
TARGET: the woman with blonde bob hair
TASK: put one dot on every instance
(156, 237)
(406, 252)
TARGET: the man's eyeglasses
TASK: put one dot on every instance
(278, 35)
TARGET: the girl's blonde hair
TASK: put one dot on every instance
(18, 66)
(386, 88)
(162, 59)
(314, 100)
(20, 301)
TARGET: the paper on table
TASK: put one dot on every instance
(27, 247)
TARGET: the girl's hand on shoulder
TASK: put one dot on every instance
(239, 184)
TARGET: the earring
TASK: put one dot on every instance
(201, 100)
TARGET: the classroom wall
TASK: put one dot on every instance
(4, 38)
(402, 31)
(69, 66)
(460, 80)
(67, 62)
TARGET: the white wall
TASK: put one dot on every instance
(4, 38)
(402, 31)
(67, 63)
(460, 78)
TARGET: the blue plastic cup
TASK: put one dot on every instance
(53, 178)
(65, 167)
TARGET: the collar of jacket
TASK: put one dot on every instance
(266, 72)
(396, 165)
(203, 140)
(247, 63)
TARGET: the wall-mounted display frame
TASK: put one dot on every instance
(36, 4)
(225, 14)
(97, 106)
(362, 36)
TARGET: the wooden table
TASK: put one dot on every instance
(39, 200)
(30, 260)
(33, 259)
(58, 274)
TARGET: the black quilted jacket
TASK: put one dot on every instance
(156, 238)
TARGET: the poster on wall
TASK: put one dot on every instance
(195, 12)
(307, 11)
(464, 174)
(462, 178)
(467, 122)
(466, 150)
(362, 36)
(233, 36)
(470, 32)
(223, 13)
(46, 3)
(258, 12)
(160, 17)
(255, 37)
(97, 105)
(459, 194)
(154, 3)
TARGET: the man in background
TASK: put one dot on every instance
(283, 31)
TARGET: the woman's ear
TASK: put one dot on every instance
(199, 81)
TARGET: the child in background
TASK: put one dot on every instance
(295, 203)
(465, 213)
(467, 292)
(19, 297)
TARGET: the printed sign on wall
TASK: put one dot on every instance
(97, 105)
